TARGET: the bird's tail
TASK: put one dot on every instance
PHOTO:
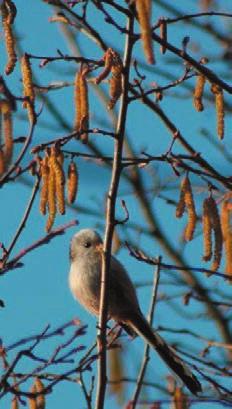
(142, 328)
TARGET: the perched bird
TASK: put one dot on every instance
(85, 284)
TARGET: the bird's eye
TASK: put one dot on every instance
(87, 244)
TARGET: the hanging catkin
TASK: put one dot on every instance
(212, 225)
(220, 110)
(198, 92)
(163, 35)
(143, 8)
(207, 227)
(186, 201)
(72, 182)
(28, 88)
(227, 236)
(81, 103)
(51, 196)
(115, 80)
(7, 20)
(44, 170)
(59, 179)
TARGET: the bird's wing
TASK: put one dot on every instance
(123, 298)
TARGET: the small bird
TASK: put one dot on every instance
(85, 284)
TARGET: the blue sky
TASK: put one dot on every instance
(38, 293)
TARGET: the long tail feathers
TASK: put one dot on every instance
(142, 328)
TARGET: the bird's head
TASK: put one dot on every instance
(85, 243)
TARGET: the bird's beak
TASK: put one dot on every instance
(99, 247)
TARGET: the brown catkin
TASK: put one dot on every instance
(28, 88)
(108, 60)
(84, 125)
(225, 219)
(228, 254)
(40, 400)
(14, 403)
(219, 100)
(51, 196)
(7, 20)
(198, 92)
(143, 8)
(180, 400)
(12, 11)
(81, 102)
(220, 110)
(115, 80)
(72, 183)
(44, 169)
(116, 242)
(210, 211)
(116, 372)
(60, 157)
(207, 227)
(186, 202)
(32, 401)
(77, 102)
(190, 206)
(7, 129)
(181, 204)
(2, 162)
(218, 240)
(227, 237)
(163, 35)
(59, 179)
(59, 18)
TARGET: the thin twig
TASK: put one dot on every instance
(22, 224)
(146, 356)
(14, 166)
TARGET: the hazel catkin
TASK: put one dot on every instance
(218, 240)
(14, 403)
(7, 129)
(181, 203)
(40, 399)
(44, 170)
(59, 179)
(28, 88)
(108, 60)
(77, 102)
(186, 201)
(143, 8)
(113, 65)
(51, 196)
(72, 183)
(227, 236)
(163, 35)
(206, 222)
(212, 225)
(7, 20)
(115, 80)
(198, 92)
(220, 110)
(180, 400)
(32, 400)
(81, 121)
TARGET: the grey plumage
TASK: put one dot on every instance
(84, 281)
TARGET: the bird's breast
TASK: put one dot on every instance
(84, 282)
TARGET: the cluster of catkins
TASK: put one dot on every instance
(113, 65)
(219, 101)
(52, 194)
(217, 230)
(37, 399)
